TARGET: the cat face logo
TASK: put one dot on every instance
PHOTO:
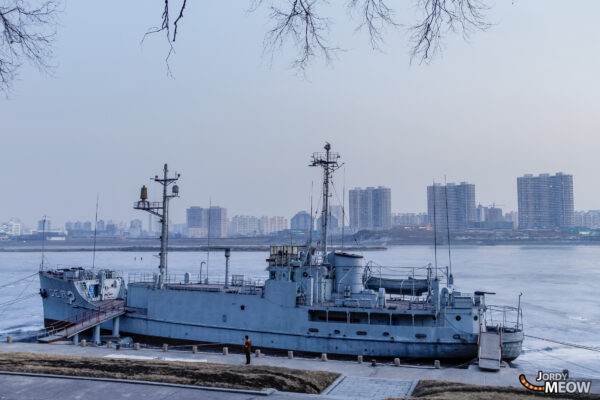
(557, 382)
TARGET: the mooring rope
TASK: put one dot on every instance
(18, 280)
(579, 346)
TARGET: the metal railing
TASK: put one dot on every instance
(507, 317)
(236, 282)
(84, 272)
(73, 324)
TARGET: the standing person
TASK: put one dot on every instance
(247, 349)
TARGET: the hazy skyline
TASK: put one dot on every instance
(519, 98)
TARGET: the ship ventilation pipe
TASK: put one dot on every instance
(227, 254)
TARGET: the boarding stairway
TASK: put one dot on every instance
(82, 321)
(490, 349)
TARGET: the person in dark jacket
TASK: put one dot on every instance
(247, 349)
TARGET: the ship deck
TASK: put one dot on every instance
(398, 304)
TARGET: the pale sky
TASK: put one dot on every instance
(520, 98)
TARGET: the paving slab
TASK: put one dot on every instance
(358, 388)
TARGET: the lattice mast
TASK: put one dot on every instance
(329, 162)
(160, 209)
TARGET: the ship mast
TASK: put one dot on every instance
(160, 209)
(328, 161)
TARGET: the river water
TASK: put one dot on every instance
(560, 286)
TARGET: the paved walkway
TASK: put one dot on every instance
(359, 380)
(359, 388)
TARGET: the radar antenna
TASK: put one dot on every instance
(161, 210)
(327, 161)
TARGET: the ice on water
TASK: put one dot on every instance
(558, 285)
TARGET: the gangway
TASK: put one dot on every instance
(85, 320)
(490, 349)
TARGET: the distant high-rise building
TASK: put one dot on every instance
(204, 221)
(217, 222)
(337, 211)
(41, 226)
(14, 227)
(409, 219)
(458, 210)
(488, 214)
(135, 228)
(87, 226)
(332, 224)
(268, 225)
(302, 221)
(545, 201)
(370, 208)
(100, 226)
(243, 225)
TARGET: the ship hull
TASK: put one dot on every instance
(176, 332)
(192, 316)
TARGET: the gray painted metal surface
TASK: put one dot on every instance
(313, 301)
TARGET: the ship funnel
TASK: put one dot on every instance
(144, 193)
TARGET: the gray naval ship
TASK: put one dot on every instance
(314, 300)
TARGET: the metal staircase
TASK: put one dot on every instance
(82, 321)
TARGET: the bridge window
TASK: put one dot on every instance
(338, 316)
(317, 315)
(359, 318)
(401, 319)
(380, 319)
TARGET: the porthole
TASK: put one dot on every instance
(305, 274)
(242, 307)
(386, 334)
(361, 333)
(314, 330)
(336, 332)
(458, 317)
(475, 318)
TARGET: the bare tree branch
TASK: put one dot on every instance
(26, 34)
(441, 17)
(375, 15)
(298, 21)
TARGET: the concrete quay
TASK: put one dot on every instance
(357, 381)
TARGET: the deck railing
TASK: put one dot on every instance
(505, 316)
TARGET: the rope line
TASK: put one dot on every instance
(18, 280)
(579, 346)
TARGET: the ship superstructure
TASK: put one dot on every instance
(313, 300)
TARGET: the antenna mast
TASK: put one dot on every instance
(448, 228)
(161, 210)
(95, 231)
(43, 241)
(434, 228)
(344, 209)
(328, 161)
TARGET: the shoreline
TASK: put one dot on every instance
(55, 248)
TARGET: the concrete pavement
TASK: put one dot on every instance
(357, 381)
